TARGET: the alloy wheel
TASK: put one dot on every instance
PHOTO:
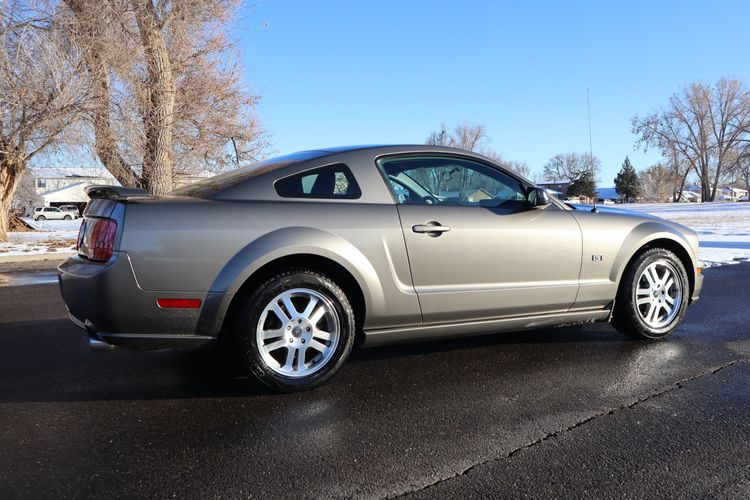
(298, 332)
(659, 294)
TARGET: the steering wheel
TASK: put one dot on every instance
(428, 200)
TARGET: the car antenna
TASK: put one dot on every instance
(591, 148)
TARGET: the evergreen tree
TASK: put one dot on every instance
(627, 183)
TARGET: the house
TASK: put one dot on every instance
(687, 196)
(25, 198)
(608, 195)
(732, 194)
(55, 178)
(55, 186)
(182, 179)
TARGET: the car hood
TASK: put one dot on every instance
(610, 210)
(631, 217)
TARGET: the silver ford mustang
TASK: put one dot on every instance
(293, 260)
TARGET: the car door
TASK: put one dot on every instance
(477, 248)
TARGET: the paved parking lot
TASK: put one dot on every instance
(577, 411)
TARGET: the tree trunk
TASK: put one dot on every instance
(105, 143)
(716, 181)
(705, 183)
(10, 174)
(683, 180)
(157, 161)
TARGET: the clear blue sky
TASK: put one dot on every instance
(357, 72)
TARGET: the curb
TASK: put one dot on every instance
(36, 257)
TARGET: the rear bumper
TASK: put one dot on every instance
(106, 301)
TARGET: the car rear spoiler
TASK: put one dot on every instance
(117, 193)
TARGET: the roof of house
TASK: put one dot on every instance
(71, 172)
(607, 193)
(65, 188)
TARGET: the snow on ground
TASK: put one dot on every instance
(50, 237)
(723, 228)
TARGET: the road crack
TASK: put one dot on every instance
(680, 384)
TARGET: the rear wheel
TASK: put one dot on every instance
(41, 217)
(653, 295)
(295, 331)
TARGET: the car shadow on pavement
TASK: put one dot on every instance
(59, 366)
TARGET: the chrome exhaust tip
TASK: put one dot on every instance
(95, 342)
(98, 345)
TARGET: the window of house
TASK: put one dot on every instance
(329, 182)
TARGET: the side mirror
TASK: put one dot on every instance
(538, 197)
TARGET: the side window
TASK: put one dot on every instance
(330, 182)
(450, 181)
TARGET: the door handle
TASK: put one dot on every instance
(431, 228)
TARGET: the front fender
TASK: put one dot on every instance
(643, 234)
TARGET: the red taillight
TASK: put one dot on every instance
(96, 239)
(179, 303)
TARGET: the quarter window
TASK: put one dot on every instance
(451, 181)
(330, 182)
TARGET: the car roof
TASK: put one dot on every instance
(255, 182)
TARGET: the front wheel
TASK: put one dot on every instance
(653, 295)
(67, 217)
(295, 331)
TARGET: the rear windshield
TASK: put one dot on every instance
(209, 187)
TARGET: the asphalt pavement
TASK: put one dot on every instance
(563, 412)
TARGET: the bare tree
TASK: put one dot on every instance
(520, 167)
(657, 183)
(40, 92)
(700, 130)
(464, 136)
(474, 138)
(571, 167)
(167, 95)
(740, 164)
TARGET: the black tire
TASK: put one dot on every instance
(41, 217)
(248, 319)
(67, 217)
(628, 317)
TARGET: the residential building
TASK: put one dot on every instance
(732, 194)
(690, 194)
(55, 186)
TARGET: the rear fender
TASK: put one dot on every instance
(301, 240)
